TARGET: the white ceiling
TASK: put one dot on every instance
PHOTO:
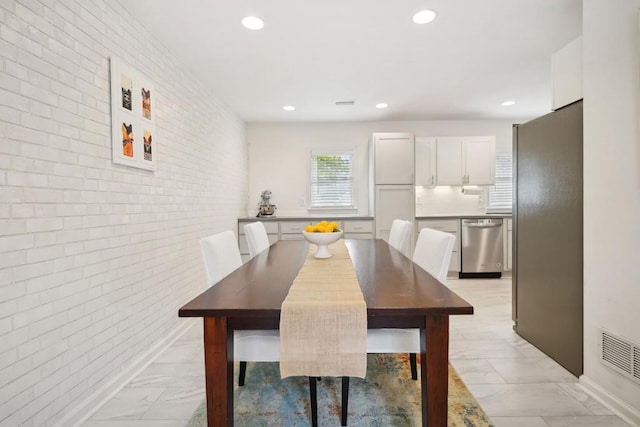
(474, 56)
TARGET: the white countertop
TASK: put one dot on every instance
(365, 218)
(466, 215)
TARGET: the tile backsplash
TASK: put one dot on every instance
(449, 200)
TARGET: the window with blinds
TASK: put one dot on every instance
(332, 180)
(501, 194)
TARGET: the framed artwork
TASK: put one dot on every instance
(133, 130)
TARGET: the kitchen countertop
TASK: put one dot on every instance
(304, 218)
(466, 215)
(368, 218)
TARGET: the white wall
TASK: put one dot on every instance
(279, 155)
(96, 258)
(611, 189)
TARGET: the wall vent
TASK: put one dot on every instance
(636, 363)
(620, 354)
(351, 102)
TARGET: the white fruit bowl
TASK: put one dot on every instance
(322, 240)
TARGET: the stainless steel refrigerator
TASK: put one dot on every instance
(548, 257)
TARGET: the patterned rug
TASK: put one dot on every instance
(387, 397)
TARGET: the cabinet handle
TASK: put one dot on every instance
(432, 180)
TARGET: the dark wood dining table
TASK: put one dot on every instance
(398, 294)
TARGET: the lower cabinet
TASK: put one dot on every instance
(364, 229)
(449, 226)
(292, 230)
(272, 234)
(357, 229)
(393, 202)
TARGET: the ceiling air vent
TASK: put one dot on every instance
(352, 102)
(620, 354)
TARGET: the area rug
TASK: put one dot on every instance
(386, 397)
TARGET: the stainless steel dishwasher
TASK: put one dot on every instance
(481, 248)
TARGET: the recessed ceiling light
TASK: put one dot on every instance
(382, 105)
(253, 23)
(508, 103)
(288, 108)
(424, 16)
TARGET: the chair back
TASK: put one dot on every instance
(433, 252)
(257, 238)
(400, 235)
(221, 255)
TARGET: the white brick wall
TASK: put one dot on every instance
(96, 258)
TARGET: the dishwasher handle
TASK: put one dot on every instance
(482, 223)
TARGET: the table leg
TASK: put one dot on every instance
(434, 370)
(218, 367)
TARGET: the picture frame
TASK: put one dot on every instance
(133, 130)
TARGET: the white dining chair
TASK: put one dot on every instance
(221, 256)
(257, 238)
(400, 235)
(432, 254)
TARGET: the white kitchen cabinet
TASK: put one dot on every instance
(393, 202)
(393, 158)
(292, 230)
(425, 168)
(449, 158)
(272, 229)
(480, 160)
(449, 226)
(357, 229)
(465, 160)
(566, 74)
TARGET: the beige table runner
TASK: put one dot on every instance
(323, 322)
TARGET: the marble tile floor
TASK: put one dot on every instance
(515, 383)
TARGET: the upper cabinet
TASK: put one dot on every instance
(566, 74)
(449, 160)
(480, 160)
(465, 160)
(425, 161)
(393, 158)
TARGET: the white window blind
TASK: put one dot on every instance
(332, 180)
(501, 194)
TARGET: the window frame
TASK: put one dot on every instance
(500, 208)
(333, 208)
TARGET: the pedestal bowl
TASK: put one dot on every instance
(322, 240)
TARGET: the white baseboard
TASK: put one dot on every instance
(620, 408)
(83, 411)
